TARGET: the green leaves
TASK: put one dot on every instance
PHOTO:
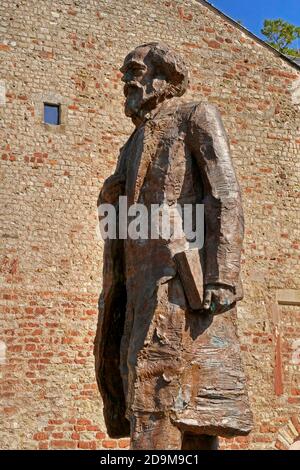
(281, 34)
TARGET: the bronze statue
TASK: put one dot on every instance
(168, 358)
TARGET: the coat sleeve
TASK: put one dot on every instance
(224, 221)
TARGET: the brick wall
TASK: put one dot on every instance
(69, 52)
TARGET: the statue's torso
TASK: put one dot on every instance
(159, 165)
(160, 169)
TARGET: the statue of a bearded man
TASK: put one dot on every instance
(167, 352)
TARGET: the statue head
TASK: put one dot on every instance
(152, 73)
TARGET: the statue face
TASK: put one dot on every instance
(142, 85)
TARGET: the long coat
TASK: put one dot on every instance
(153, 352)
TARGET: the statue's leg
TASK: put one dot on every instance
(199, 442)
(154, 431)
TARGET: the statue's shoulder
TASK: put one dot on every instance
(198, 112)
(195, 110)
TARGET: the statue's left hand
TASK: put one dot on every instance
(218, 298)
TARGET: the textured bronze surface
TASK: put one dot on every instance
(167, 366)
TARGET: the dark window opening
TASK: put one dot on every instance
(52, 114)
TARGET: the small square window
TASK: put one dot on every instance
(52, 114)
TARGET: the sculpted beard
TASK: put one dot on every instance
(135, 97)
(141, 99)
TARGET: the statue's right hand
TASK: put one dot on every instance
(218, 298)
(113, 187)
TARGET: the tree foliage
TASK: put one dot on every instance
(281, 34)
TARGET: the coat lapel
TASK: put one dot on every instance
(141, 153)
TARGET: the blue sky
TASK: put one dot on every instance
(252, 13)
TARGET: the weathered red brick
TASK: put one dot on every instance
(63, 444)
(212, 43)
(4, 47)
(123, 443)
(109, 444)
(40, 436)
(87, 445)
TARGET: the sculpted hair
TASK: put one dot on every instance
(170, 65)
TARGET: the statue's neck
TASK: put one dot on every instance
(147, 114)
